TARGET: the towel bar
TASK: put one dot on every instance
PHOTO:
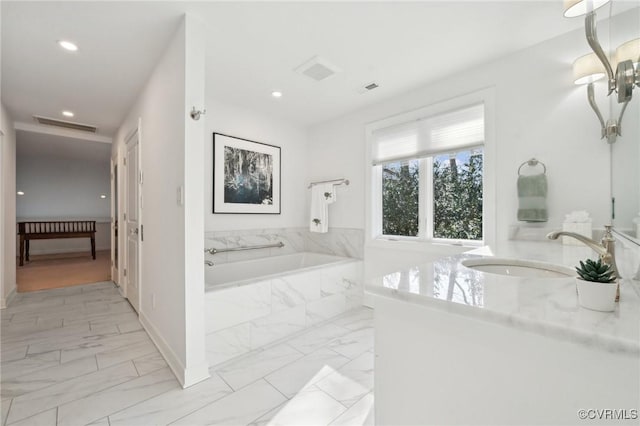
(340, 181)
(215, 250)
(532, 163)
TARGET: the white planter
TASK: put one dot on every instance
(597, 296)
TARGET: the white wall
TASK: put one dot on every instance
(337, 150)
(193, 226)
(539, 113)
(247, 124)
(7, 209)
(62, 188)
(172, 251)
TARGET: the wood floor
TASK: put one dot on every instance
(50, 271)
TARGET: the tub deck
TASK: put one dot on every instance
(234, 274)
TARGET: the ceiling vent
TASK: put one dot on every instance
(317, 69)
(368, 87)
(65, 124)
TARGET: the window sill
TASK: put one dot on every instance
(418, 244)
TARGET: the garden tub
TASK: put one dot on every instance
(251, 303)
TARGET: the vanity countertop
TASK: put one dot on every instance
(545, 306)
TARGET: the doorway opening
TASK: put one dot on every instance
(62, 210)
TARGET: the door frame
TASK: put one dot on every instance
(124, 253)
(3, 194)
(113, 164)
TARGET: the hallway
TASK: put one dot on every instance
(48, 271)
(78, 356)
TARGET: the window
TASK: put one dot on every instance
(457, 195)
(400, 198)
(428, 177)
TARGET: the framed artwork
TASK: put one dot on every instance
(246, 176)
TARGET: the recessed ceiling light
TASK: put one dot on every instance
(67, 45)
(20, 193)
(103, 196)
(276, 94)
(68, 113)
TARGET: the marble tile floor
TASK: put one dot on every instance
(78, 356)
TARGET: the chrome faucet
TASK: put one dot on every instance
(208, 263)
(605, 248)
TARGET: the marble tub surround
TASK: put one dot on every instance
(545, 306)
(338, 242)
(293, 239)
(250, 314)
(346, 242)
(234, 274)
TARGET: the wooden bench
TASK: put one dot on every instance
(59, 229)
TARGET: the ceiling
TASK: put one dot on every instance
(32, 144)
(119, 43)
(252, 50)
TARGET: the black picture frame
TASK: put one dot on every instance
(246, 176)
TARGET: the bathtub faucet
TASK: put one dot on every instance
(208, 263)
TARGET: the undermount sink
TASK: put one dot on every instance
(519, 268)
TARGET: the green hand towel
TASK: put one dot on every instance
(532, 198)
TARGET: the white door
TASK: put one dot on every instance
(2, 209)
(114, 222)
(132, 220)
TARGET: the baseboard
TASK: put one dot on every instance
(6, 301)
(65, 250)
(186, 377)
(164, 348)
(196, 374)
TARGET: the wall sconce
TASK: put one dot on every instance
(586, 69)
(627, 72)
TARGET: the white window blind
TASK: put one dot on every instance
(450, 131)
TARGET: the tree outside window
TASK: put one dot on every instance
(400, 198)
(454, 189)
(457, 196)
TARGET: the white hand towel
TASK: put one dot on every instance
(330, 193)
(321, 196)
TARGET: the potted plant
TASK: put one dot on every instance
(597, 285)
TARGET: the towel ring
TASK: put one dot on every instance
(532, 163)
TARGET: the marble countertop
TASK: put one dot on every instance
(545, 306)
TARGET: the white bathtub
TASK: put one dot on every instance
(244, 272)
(252, 303)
